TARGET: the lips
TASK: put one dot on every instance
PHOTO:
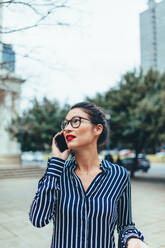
(70, 137)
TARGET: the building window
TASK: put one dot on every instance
(8, 58)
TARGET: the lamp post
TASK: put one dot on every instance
(108, 117)
(22, 138)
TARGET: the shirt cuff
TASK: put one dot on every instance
(55, 166)
(127, 233)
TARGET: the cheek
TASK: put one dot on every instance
(82, 131)
(84, 137)
(85, 134)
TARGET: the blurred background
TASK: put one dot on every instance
(56, 53)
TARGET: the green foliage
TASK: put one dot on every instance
(137, 108)
(36, 128)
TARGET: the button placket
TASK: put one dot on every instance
(86, 221)
(85, 233)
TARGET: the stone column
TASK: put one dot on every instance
(10, 90)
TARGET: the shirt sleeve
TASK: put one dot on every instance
(125, 226)
(42, 207)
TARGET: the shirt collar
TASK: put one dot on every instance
(104, 165)
(69, 162)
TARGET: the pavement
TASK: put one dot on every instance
(16, 194)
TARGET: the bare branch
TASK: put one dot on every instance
(27, 5)
(19, 29)
(6, 2)
(7, 30)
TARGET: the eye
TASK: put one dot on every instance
(75, 120)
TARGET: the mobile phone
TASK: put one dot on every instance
(61, 142)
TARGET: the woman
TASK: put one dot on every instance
(86, 197)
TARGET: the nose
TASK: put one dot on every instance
(68, 128)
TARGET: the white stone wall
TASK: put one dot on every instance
(7, 144)
(10, 91)
(152, 37)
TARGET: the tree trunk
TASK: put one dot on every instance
(134, 165)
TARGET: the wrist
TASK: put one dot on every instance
(135, 242)
(132, 240)
(59, 156)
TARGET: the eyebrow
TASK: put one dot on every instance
(72, 117)
(76, 116)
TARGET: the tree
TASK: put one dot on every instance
(137, 109)
(39, 11)
(35, 129)
(23, 16)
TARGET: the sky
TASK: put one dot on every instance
(90, 55)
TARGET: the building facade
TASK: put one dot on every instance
(8, 57)
(152, 36)
(10, 90)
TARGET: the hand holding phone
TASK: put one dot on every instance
(59, 146)
(61, 142)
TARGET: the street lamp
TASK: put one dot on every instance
(108, 117)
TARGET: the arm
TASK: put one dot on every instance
(42, 208)
(125, 226)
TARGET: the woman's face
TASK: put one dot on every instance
(83, 136)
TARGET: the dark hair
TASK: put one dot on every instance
(97, 116)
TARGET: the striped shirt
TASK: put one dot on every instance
(84, 219)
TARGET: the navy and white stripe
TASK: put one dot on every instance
(84, 219)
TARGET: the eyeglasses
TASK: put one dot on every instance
(75, 122)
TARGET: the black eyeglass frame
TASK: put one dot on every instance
(63, 125)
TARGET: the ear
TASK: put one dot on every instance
(98, 129)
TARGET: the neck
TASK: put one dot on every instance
(87, 159)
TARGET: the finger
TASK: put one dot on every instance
(58, 133)
(54, 140)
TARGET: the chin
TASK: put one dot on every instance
(73, 146)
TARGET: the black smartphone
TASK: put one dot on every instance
(61, 142)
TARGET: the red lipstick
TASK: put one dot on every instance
(70, 137)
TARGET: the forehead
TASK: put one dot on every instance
(76, 112)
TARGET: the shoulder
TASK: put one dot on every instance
(115, 169)
(118, 175)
